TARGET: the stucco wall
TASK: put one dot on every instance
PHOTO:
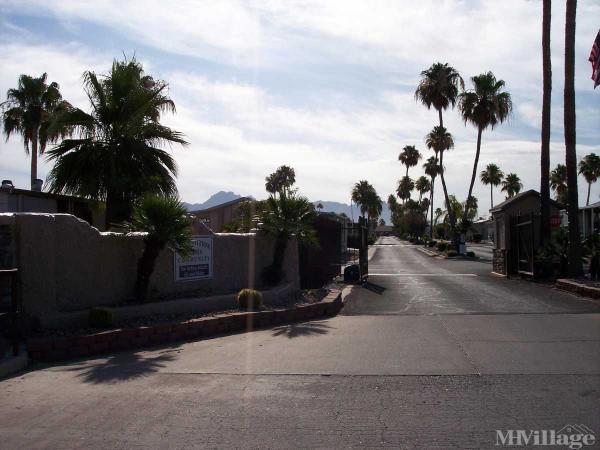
(67, 265)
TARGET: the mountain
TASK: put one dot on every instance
(213, 200)
(338, 208)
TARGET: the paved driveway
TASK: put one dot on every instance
(430, 354)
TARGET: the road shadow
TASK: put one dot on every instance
(123, 367)
(301, 329)
(376, 288)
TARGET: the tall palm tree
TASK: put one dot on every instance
(558, 183)
(589, 167)
(440, 141)
(546, 105)
(432, 169)
(28, 110)
(405, 188)
(422, 185)
(409, 156)
(439, 87)
(374, 207)
(484, 106)
(575, 268)
(165, 221)
(115, 154)
(511, 185)
(492, 176)
(362, 194)
(281, 180)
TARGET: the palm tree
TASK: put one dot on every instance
(575, 268)
(409, 156)
(405, 187)
(281, 180)
(286, 216)
(546, 105)
(28, 110)
(558, 183)
(360, 195)
(115, 153)
(492, 176)
(484, 106)
(432, 169)
(440, 141)
(439, 87)
(165, 221)
(589, 167)
(374, 207)
(422, 185)
(320, 206)
(511, 185)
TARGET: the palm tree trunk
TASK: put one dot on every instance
(492, 194)
(440, 116)
(587, 202)
(546, 105)
(446, 198)
(574, 256)
(34, 157)
(431, 201)
(146, 265)
(473, 176)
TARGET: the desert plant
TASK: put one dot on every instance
(116, 154)
(451, 253)
(100, 317)
(249, 299)
(165, 221)
(442, 246)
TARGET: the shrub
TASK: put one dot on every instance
(451, 253)
(477, 237)
(100, 318)
(432, 243)
(442, 246)
(471, 254)
(249, 299)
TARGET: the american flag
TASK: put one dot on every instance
(595, 60)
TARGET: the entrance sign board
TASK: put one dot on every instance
(197, 266)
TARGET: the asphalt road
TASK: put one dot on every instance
(431, 354)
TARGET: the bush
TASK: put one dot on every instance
(471, 254)
(432, 243)
(442, 246)
(477, 237)
(451, 253)
(100, 318)
(249, 299)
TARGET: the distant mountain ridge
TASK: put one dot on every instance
(328, 206)
(214, 200)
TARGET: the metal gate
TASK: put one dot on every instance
(358, 247)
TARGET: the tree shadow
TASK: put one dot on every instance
(376, 288)
(123, 367)
(301, 329)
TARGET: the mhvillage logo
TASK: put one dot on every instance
(570, 436)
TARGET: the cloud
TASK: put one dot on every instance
(324, 86)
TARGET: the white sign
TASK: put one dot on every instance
(197, 266)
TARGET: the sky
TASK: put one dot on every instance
(324, 86)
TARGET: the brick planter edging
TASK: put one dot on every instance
(57, 349)
(577, 288)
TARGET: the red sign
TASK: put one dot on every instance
(555, 221)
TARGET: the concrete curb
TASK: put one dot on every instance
(57, 349)
(580, 289)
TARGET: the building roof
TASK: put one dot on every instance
(221, 205)
(520, 196)
(44, 194)
(592, 206)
